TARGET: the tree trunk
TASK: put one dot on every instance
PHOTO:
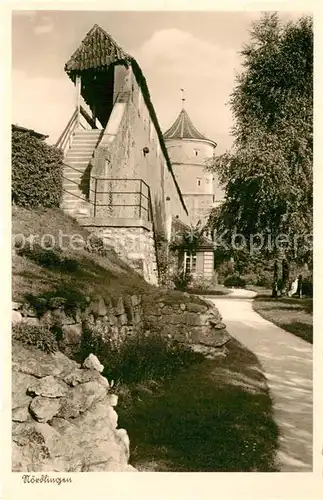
(275, 280)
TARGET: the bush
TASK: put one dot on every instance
(70, 299)
(234, 281)
(40, 336)
(263, 278)
(307, 287)
(181, 280)
(138, 358)
(223, 270)
(37, 171)
(50, 258)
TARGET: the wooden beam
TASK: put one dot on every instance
(78, 96)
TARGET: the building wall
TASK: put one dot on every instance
(189, 159)
(121, 155)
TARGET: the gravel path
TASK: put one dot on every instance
(287, 363)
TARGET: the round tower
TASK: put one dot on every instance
(189, 150)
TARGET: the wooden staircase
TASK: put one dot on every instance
(77, 165)
(78, 143)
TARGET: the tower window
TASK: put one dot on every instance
(196, 151)
(198, 182)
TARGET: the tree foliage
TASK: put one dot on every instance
(37, 171)
(268, 175)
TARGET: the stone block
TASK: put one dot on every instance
(92, 363)
(191, 319)
(44, 409)
(136, 300)
(98, 307)
(175, 319)
(48, 387)
(72, 333)
(197, 308)
(218, 326)
(20, 414)
(119, 307)
(123, 319)
(16, 317)
(32, 361)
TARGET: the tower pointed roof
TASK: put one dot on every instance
(183, 128)
(97, 50)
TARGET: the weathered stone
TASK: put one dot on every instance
(182, 307)
(80, 376)
(191, 319)
(90, 441)
(16, 317)
(98, 307)
(123, 319)
(72, 333)
(113, 417)
(137, 318)
(112, 399)
(32, 361)
(81, 397)
(16, 306)
(119, 307)
(122, 435)
(36, 445)
(20, 414)
(32, 321)
(48, 387)
(136, 300)
(92, 363)
(218, 326)
(113, 320)
(175, 319)
(19, 383)
(44, 409)
(215, 338)
(196, 308)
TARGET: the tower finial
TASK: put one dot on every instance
(183, 97)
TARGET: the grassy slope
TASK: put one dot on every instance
(94, 275)
(292, 314)
(214, 416)
(208, 418)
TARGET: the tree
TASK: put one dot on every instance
(268, 174)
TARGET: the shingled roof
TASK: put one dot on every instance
(183, 128)
(99, 51)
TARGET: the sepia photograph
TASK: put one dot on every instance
(162, 242)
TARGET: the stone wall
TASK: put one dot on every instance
(191, 321)
(114, 318)
(63, 416)
(133, 241)
(185, 318)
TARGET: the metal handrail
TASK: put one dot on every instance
(96, 203)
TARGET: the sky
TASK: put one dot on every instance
(197, 51)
